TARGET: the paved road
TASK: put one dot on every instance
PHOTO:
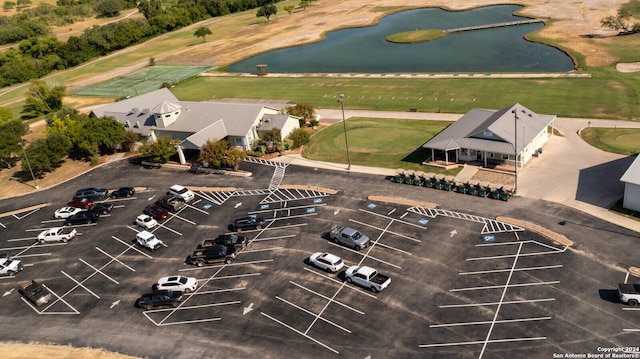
(568, 172)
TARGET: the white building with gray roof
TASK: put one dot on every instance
(492, 137)
(160, 113)
(631, 179)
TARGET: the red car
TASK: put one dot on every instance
(84, 203)
(155, 211)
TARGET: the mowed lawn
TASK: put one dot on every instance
(389, 143)
(624, 141)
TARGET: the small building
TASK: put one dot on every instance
(505, 137)
(631, 179)
(160, 113)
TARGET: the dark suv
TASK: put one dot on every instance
(92, 193)
(159, 298)
(248, 222)
(171, 203)
(84, 217)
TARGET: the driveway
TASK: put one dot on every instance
(569, 171)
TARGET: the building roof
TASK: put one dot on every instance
(138, 104)
(492, 131)
(632, 174)
(270, 121)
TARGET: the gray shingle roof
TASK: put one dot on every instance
(632, 174)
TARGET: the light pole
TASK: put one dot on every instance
(515, 146)
(344, 124)
(28, 164)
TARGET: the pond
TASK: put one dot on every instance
(501, 49)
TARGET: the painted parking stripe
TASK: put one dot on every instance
(80, 285)
(215, 291)
(314, 314)
(325, 297)
(507, 340)
(518, 242)
(33, 245)
(386, 231)
(299, 332)
(488, 322)
(161, 225)
(515, 270)
(496, 303)
(260, 250)
(98, 270)
(236, 276)
(53, 220)
(512, 256)
(223, 265)
(272, 238)
(187, 321)
(287, 208)
(184, 219)
(61, 299)
(115, 259)
(31, 255)
(393, 248)
(28, 213)
(631, 309)
(160, 310)
(393, 219)
(131, 246)
(197, 209)
(502, 286)
(366, 255)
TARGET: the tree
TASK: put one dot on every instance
(159, 150)
(109, 8)
(266, 11)
(299, 137)
(305, 111)
(234, 156)
(620, 22)
(202, 32)
(289, 9)
(213, 152)
(128, 140)
(41, 99)
(5, 115)
(37, 156)
(274, 136)
(12, 133)
(8, 5)
(150, 8)
(303, 4)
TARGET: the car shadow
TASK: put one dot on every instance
(610, 295)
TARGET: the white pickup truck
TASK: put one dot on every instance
(9, 267)
(629, 293)
(58, 234)
(367, 277)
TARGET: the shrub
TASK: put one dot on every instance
(299, 137)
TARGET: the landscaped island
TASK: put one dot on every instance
(416, 36)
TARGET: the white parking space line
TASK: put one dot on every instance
(197, 209)
(496, 303)
(512, 256)
(28, 213)
(53, 220)
(175, 215)
(631, 309)
(312, 313)
(135, 229)
(216, 291)
(131, 246)
(119, 199)
(32, 255)
(80, 285)
(502, 286)
(188, 321)
(161, 225)
(299, 332)
(261, 250)
(393, 219)
(235, 276)
(224, 265)
(325, 297)
(22, 239)
(3, 226)
(515, 270)
(507, 340)
(33, 245)
(365, 255)
(98, 271)
(461, 324)
(272, 238)
(386, 230)
(287, 208)
(518, 242)
(393, 248)
(191, 307)
(115, 259)
(61, 299)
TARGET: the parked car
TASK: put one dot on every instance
(146, 221)
(349, 237)
(92, 193)
(160, 298)
(367, 277)
(35, 292)
(181, 192)
(213, 254)
(227, 240)
(10, 267)
(58, 234)
(84, 217)
(177, 283)
(123, 192)
(248, 222)
(66, 212)
(148, 240)
(101, 208)
(171, 203)
(155, 211)
(327, 261)
(84, 203)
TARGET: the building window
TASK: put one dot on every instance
(463, 152)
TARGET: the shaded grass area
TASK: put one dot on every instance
(388, 143)
(565, 97)
(624, 141)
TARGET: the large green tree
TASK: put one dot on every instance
(5, 115)
(109, 8)
(202, 32)
(234, 156)
(266, 11)
(621, 22)
(213, 152)
(11, 134)
(304, 111)
(159, 150)
(42, 99)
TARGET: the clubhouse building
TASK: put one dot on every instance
(159, 113)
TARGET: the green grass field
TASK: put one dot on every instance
(624, 141)
(388, 143)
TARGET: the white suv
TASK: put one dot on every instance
(181, 192)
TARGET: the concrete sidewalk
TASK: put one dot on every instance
(568, 172)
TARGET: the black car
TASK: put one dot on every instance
(92, 193)
(84, 217)
(101, 208)
(160, 298)
(123, 192)
(232, 240)
(248, 222)
(213, 254)
(35, 292)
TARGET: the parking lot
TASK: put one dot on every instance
(463, 284)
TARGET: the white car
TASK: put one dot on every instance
(327, 261)
(177, 283)
(146, 221)
(148, 240)
(181, 192)
(66, 212)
